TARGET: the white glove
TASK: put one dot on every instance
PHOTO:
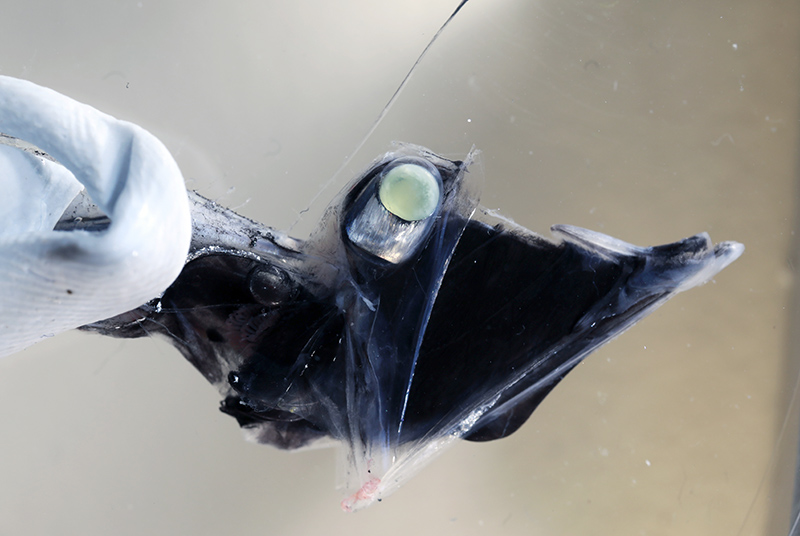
(52, 281)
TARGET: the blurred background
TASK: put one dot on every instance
(648, 121)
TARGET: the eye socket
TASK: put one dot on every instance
(410, 192)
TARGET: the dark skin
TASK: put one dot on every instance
(480, 317)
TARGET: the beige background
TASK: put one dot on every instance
(649, 121)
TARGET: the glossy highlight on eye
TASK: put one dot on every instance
(410, 192)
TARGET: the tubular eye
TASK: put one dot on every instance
(393, 215)
(410, 192)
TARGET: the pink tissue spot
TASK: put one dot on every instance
(364, 494)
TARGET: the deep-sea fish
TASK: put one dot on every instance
(408, 319)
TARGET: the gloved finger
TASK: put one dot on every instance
(51, 281)
(35, 192)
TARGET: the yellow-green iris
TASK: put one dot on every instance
(410, 192)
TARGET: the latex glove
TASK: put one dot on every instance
(52, 281)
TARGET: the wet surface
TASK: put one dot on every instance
(650, 122)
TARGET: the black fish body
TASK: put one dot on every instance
(450, 327)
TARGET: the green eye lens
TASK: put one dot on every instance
(410, 192)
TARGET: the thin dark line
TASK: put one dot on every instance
(383, 113)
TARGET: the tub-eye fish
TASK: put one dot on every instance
(408, 320)
(404, 322)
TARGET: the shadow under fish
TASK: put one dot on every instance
(408, 320)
